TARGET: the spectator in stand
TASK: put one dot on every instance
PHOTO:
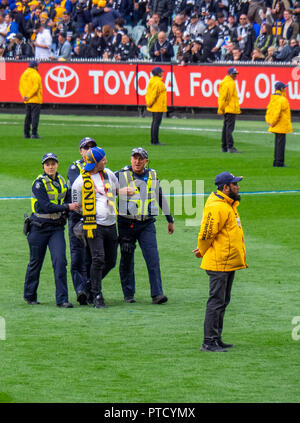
(245, 37)
(34, 19)
(265, 38)
(119, 31)
(226, 53)
(2, 50)
(12, 26)
(196, 26)
(212, 40)
(270, 54)
(257, 55)
(194, 53)
(125, 9)
(162, 49)
(3, 28)
(43, 43)
(290, 28)
(18, 48)
(181, 21)
(254, 11)
(95, 45)
(206, 9)
(236, 54)
(66, 25)
(102, 16)
(139, 11)
(127, 50)
(296, 12)
(288, 52)
(164, 8)
(278, 20)
(64, 49)
(108, 38)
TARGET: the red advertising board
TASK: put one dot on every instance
(125, 84)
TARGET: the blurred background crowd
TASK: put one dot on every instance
(180, 31)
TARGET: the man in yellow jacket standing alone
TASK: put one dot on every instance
(222, 248)
(30, 87)
(278, 117)
(228, 105)
(156, 99)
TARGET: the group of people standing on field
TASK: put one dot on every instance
(106, 209)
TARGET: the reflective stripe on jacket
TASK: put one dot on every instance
(221, 238)
(156, 95)
(228, 100)
(30, 86)
(278, 114)
(142, 202)
(53, 193)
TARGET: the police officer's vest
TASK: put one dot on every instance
(54, 195)
(142, 203)
(79, 164)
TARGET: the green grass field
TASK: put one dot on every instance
(140, 352)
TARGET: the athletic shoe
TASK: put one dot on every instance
(35, 136)
(129, 300)
(82, 298)
(65, 305)
(233, 150)
(32, 302)
(99, 302)
(223, 345)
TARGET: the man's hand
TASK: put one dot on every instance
(126, 191)
(74, 206)
(25, 98)
(197, 253)
(171, 228)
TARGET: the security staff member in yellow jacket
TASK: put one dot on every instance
(136, 223)
(278, 117)
(156, 100)
(49, 206)
(222, 248)
(30, 87)
(228, 105)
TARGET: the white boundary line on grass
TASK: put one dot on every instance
(171, 128)
(193, 194)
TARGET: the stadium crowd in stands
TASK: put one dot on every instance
(181, 31)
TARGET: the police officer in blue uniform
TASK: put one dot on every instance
(136, 223)
(80, 255)
(47, 221)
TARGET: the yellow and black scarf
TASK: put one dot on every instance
(88, 204)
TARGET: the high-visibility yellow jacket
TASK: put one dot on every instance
(278, 114)
(30, 85)
(228, 100)
(156, 95)
(221, 238)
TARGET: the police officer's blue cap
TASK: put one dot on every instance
(93, 156)
(157, 70)
(232, 71)
(280, 85)
(141, 151)
(33, 64)
(49, 156)
(226, 178)
(87, 140)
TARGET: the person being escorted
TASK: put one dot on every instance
(222, 249)
(79, 253)
(228, 105)
(278, 117)
(136, 223)
(46, 229)
(156, 100)
(31, 90)
(95, 189)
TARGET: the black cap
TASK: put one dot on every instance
(86, 141)
(157, 70)
(141, 151)
(33, 64)
(49, 156)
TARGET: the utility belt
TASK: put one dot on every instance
(139, 218)
(52, 216)
(28, 222)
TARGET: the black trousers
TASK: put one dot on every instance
(228, 128)
(220, 284)
(279, 150)
(32, 118)
(103, 248)
(156, 121)
(39, 239)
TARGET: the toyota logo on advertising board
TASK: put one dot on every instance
(61, 81)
